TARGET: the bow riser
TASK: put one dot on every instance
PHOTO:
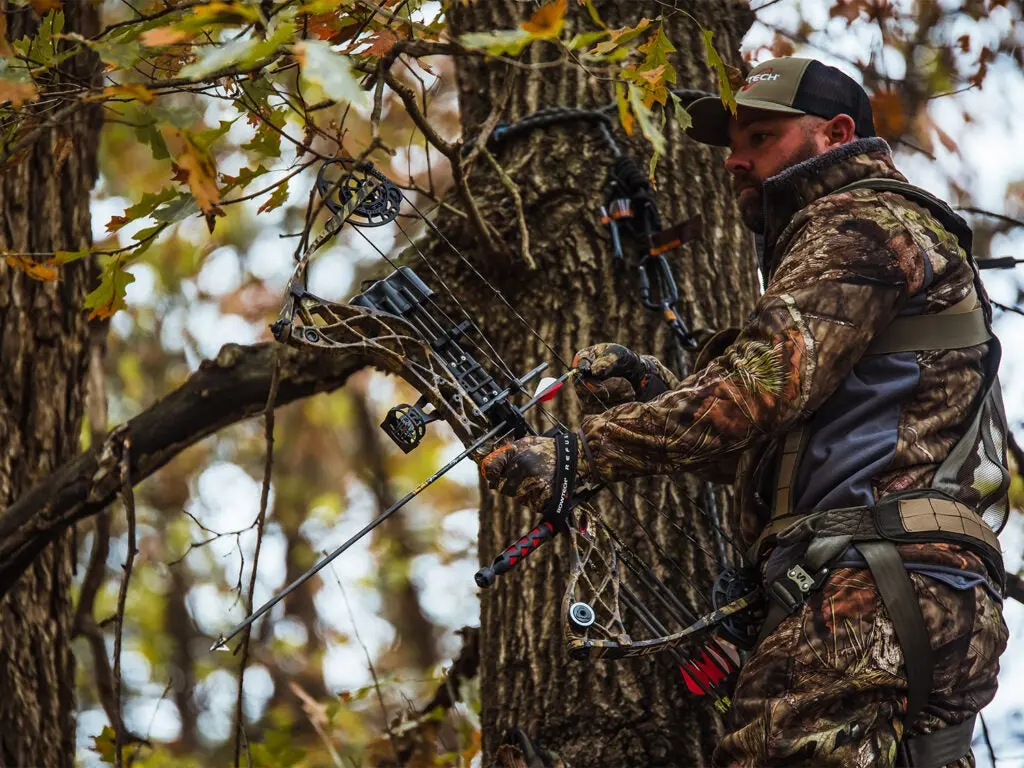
(391, 345)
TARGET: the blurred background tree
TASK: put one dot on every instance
(199, 127)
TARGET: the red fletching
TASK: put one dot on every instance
(547, 389)
(705, 672)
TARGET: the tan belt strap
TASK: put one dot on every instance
(961, 325)
(922, 514)
(918, 333)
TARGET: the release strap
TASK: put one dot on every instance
(564, 482)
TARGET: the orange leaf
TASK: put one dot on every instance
(42, 7)
(781, 46)
(202, 177)
(32, 268)
(17, 93)
(180, 175)
(891, 119)
(547, 21)
(116, 222)
(382, 42)
(154, 38)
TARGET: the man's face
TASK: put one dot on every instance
(764, 144)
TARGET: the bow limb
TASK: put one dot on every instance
(614, 588)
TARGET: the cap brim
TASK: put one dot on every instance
(711, 118)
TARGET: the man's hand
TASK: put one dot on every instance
(525, 470)
(612, 374)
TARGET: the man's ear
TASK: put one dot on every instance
(840, 130)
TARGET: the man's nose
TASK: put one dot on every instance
(736, 163)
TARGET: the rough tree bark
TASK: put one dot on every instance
(44, 199)
(591, 713)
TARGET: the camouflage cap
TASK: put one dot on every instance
(789, 85)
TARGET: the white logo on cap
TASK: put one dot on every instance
(769, 75)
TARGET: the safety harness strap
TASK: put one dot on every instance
(900, 599)
(938, 748)
(920, 333)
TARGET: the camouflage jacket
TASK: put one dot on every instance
(839, 269)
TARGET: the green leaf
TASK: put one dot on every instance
(656, 52)
(206, 139)
(724, 87)
(104, 301)
(266, 142)
(104, 744)
(117, 55)
(276, 200)
(625, 118)
(217, 13)
(585, 39)
(594, 16)
(645, 119)
(149, 203)
(679, 112)
(214, 58)
(65, 257)
(179, 209)
(331, 72)
(503, 41)
(149, 134)
(243, 179)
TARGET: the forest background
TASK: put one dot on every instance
(215, 116)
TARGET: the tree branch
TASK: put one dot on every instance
(228, 389)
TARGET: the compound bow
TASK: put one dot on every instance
(400, 326)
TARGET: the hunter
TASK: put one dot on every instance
(860, 411)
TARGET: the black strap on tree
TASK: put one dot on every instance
(630, 208)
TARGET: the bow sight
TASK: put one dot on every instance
(404, 295)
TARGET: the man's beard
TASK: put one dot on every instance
(752, 203)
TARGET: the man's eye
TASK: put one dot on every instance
(758, 138)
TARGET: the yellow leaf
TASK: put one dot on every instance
(32, 268)
(625, 117)
(17, 93)
(132, 91)
(620, 37)
(547, 21)
(155, 38)
(197, 167)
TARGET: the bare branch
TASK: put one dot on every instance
(224, 391)
(268, 468)
(129, 507)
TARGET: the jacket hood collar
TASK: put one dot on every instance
(800, 185)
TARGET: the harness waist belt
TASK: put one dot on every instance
(903, 520)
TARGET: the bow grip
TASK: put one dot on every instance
(507, 560)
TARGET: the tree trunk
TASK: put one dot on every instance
(44, 197)
(625, 713)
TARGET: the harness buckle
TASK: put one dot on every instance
(791, 591)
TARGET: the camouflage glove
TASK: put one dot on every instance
(611, 374)
(525, 470)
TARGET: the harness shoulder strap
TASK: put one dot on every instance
(940, 209)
